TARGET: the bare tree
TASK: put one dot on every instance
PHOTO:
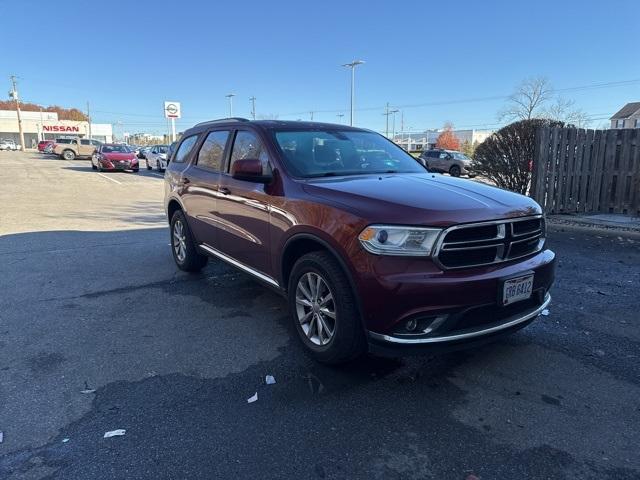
(564, 110)
(528, 100)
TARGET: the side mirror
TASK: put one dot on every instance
(250, 170)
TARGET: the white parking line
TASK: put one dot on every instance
(156, 174)
(109, 178)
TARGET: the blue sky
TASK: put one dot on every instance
(127, 57)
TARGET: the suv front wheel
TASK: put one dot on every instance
(323, 309)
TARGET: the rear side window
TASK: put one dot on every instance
(85, 142)
(247, 145)
(212, 150)
(185, 147)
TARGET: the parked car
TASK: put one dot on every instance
(112, 156)
(76, 148)
(156, 156)
(447, 161)
(49, 148)
(142, 152)
(371, 251)
(42, 144)
(7, 144)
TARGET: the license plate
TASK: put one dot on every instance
(517, 289)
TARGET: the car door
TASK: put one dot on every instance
(86, 148)
(244, 207)
(200, 183)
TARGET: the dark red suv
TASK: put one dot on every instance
(371, 250)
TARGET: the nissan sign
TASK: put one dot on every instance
(172, 109)
(61, 128)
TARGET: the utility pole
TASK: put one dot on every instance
(14, 94)
(311, 114)
(253, 107)
(393, 129)
(89, 118)
(41, 137)
(387, 113)
(340, 115)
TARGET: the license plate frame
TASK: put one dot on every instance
(522, 283)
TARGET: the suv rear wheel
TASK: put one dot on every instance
(323, 309)
(454, 171)
(183, 246)
(68, 155)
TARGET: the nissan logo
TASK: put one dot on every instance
(172, 109)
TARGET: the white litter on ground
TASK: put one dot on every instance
(253, 399)
(545, 312)
(115, 433)
(1, 437)
(269, 380)
(65, 440)
(88, 390)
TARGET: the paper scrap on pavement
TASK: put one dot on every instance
(545, 312)
(269, 380)
(88, 390)
(115, 433)
(253, 399)
(1, 437)
(65, 440)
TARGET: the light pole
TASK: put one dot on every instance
(340, 115)
(253, 107)
(353, 66)
(311, 116)
(230, 97)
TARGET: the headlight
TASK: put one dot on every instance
(395, 240)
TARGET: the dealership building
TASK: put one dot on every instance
(46, 126)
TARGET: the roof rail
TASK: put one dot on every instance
(223, 120)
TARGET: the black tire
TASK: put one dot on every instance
(135, 170)
(454, 171)
(68, 155)
(348, 341)
(93, 167)
(147, 162)
(194, 261)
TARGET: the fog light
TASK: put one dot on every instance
(411, 325)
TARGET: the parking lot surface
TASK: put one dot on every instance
(91, 302)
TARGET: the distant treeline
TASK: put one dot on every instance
(63, 113)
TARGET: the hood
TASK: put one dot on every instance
(420, 199)
(119, 156)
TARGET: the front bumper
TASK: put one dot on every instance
(118, 166)
(458, 339)
(393, 290)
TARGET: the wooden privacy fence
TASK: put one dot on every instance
(587, 171)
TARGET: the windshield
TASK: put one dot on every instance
(115, 149)
(460, 156)
(162, 148)
(326, 153)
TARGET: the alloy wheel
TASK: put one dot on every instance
(179, 241)
(315, 308)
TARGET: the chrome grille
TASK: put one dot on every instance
(477, 244)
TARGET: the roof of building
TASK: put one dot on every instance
(626, 111)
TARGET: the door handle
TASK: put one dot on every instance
(224, 190)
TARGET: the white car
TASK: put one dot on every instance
(8, 145)
(156, 156)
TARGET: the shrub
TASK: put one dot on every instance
(506, 157)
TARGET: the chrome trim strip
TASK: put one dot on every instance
(237, 264)
(463, 336)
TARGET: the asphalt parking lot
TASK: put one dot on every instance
(91, 300)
